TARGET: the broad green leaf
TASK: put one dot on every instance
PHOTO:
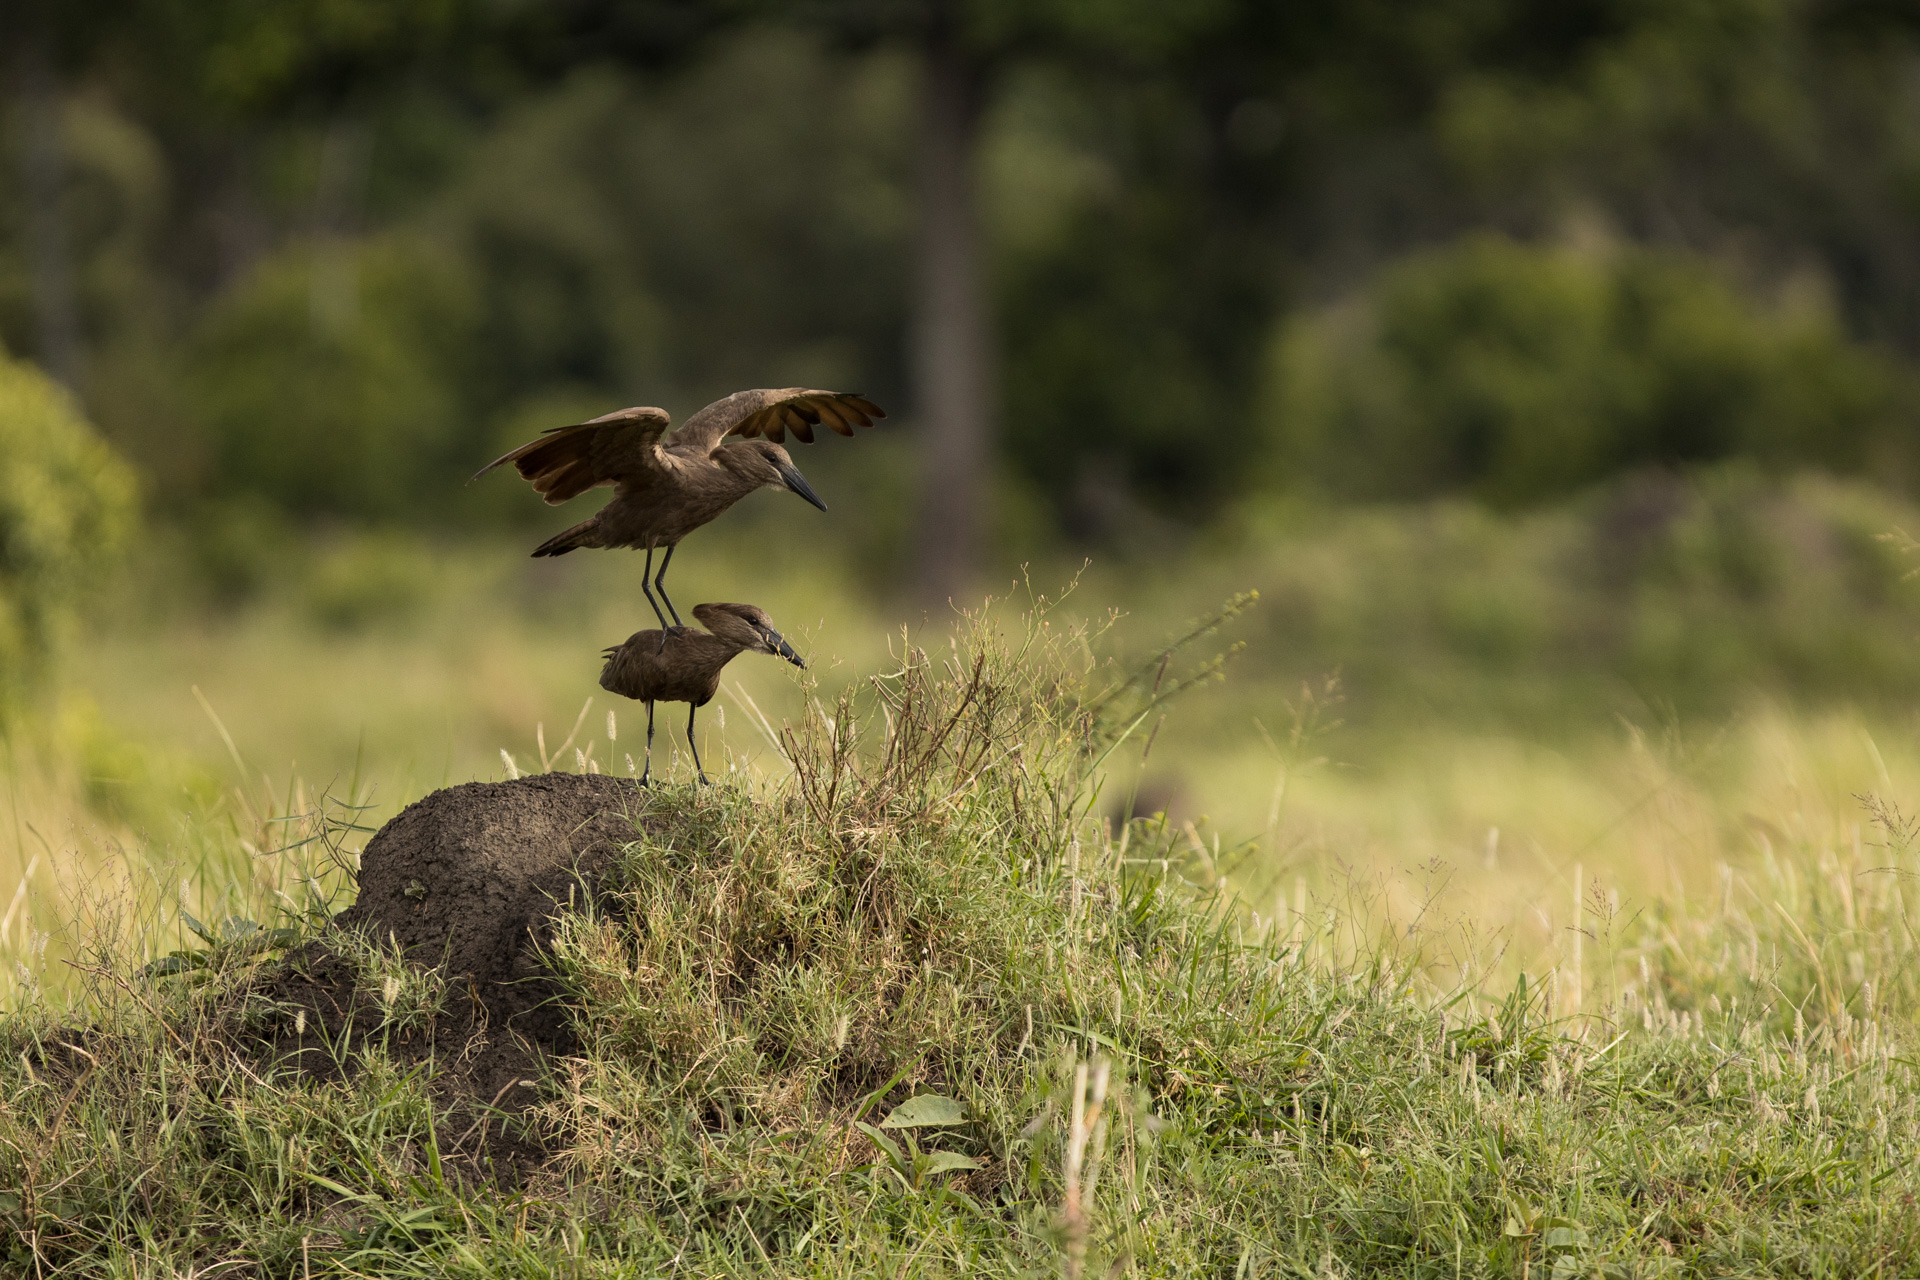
(234, 928)
(926, 1110)
(882, 1141)
(177, 962)
(948, 1161)
(200, 931)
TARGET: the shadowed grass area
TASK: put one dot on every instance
(919, 1009)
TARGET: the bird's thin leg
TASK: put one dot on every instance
(660, 585)
(691, 712)
(645, 573)
(647, 771)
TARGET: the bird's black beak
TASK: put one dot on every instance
(798, 483)
(781, 647)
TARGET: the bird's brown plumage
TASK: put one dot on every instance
(684, 664)
(773, 413)
(564, 462)
(695, 468)
(666, 486)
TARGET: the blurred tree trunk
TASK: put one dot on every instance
(42, 180)
(952, 377)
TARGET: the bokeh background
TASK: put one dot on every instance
(1550, 370)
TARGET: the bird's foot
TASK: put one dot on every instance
(645, 779)
(705, 781)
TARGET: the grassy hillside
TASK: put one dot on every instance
(921, 1008)
(1634, 694)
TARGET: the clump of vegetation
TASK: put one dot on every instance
(1518, 373)
(67, 504)
(347, 349)
(1665, 592)
(917, 1009)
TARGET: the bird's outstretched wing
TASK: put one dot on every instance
(772, 412)
(615, 448)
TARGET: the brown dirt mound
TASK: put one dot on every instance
(469, 880)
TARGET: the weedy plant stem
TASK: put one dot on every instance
(1579, 937)
(1085, 1126)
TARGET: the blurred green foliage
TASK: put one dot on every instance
(330, 255)
(1517, 373)
(67, 506)
(674, 240)
(328, 379)
(1656, 595)
(366, 579)
(1509, 265)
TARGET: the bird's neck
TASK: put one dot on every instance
(745, 468)
(735, 645)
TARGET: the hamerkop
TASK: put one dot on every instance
(683, 664)
(665, 489)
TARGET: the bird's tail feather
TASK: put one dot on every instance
(566, 540)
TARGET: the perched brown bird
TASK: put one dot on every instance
(683, 664)
(664, 489)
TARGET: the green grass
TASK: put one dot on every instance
(922, 1008)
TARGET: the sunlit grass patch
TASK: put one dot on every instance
(156, 860)
(1775, 843)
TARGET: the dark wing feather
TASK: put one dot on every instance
(772, 412)
(836, 418)
(614, 448)
(794, 419)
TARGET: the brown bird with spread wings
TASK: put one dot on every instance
(666, 486)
